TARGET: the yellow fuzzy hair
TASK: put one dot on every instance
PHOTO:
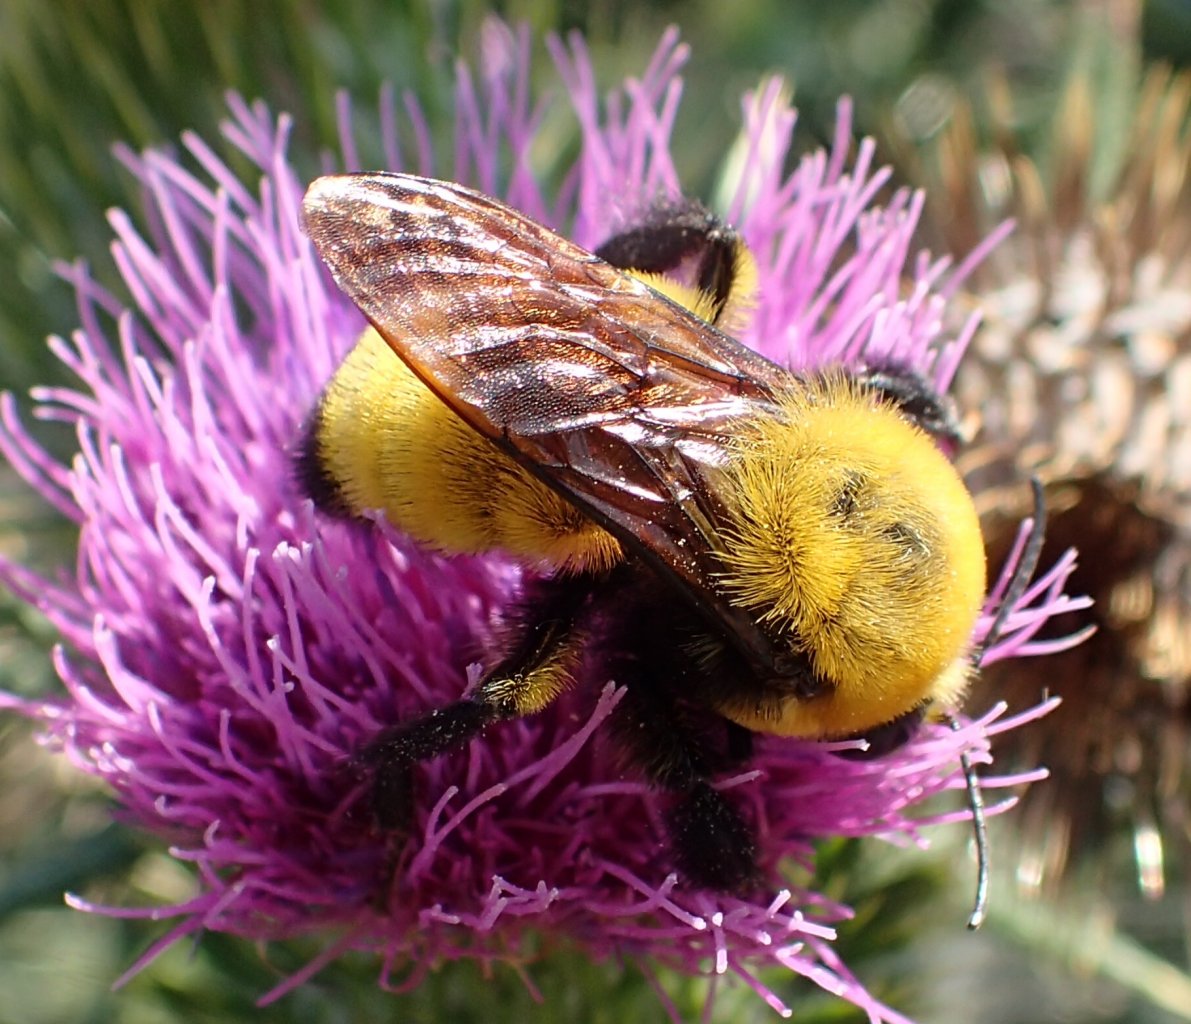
(852, 536)
(390, 443)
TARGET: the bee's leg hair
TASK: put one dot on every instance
(545, 651)
(712, 844)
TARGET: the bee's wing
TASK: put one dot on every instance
(620, 400)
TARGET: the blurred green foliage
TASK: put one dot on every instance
(78, 75)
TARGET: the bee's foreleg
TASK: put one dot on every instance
(917, 398)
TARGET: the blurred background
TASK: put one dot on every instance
(1065, 115)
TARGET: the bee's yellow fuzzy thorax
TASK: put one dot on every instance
(853, 536)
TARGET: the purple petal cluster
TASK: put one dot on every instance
(225, 651)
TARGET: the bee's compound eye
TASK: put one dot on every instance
(884, 739)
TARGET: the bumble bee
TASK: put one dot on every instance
(728, 541)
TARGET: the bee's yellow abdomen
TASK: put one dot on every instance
(382, 440)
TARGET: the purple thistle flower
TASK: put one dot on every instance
(226, 651)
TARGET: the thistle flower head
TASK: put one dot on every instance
(226, 651)
(1081, 372)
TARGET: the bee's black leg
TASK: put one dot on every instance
(915, 396)
(712, 844)
(392, 755)
(537, 670)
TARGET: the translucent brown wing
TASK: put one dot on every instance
(614, 396)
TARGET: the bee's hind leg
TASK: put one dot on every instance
(545, 651)
(712, 844)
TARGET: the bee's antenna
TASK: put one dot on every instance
(1022, 575)
(980, 828)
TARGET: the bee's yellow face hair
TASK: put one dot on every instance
(853, 537)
